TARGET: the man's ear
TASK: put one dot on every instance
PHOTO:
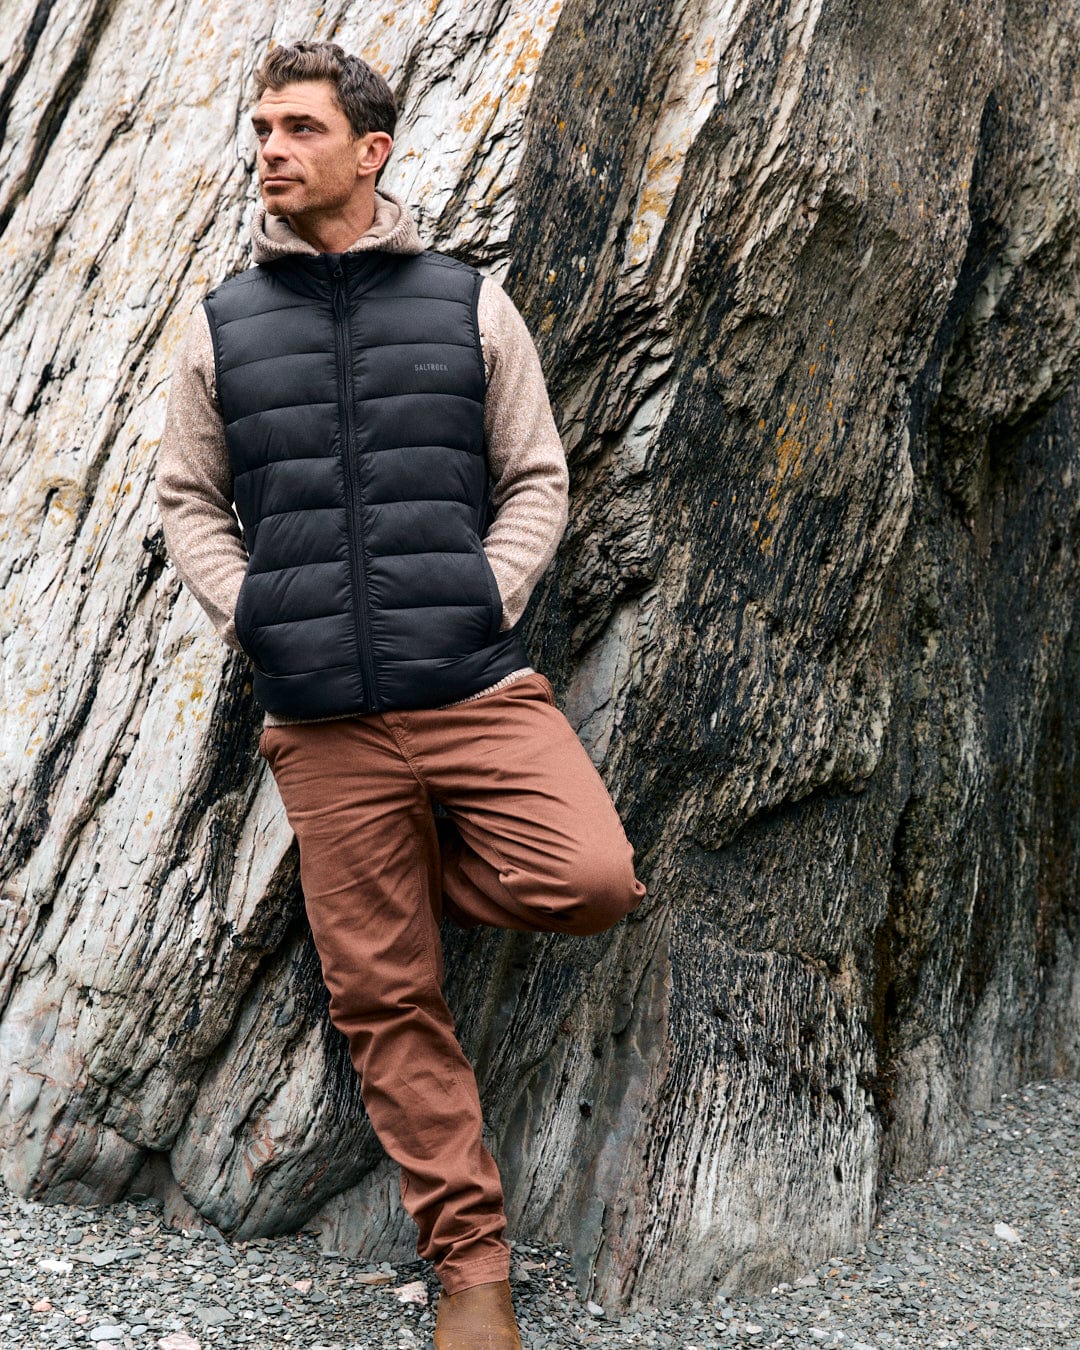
(375, 153)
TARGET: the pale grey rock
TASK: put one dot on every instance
(804, 280)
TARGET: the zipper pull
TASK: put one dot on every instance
(337, 274)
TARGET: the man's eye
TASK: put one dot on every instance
(262, 133)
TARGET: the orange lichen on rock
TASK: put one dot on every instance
(470, 118)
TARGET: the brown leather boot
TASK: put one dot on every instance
(478, 1318)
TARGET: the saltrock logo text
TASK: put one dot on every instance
(430, 365)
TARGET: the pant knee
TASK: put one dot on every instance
(607, 892)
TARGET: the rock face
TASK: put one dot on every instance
(804, 277)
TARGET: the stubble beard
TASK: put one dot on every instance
(299, 207)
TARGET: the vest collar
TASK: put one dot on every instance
(317, 275)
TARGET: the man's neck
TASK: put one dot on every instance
(334, 232)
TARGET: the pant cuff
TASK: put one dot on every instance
(458, 1275)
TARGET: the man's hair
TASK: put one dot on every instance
(359, 90)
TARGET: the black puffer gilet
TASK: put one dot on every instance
(352, 388)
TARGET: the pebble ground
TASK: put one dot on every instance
(985, 1252)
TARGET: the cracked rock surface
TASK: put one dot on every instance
(804, 279)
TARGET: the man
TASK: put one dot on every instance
(377, 413)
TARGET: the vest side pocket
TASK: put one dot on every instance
(496, 598)
(240, 623)
(240, 618)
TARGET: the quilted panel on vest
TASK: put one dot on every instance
(353, 409)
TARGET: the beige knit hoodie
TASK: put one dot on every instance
(530, 480)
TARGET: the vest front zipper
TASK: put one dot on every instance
(351, 474)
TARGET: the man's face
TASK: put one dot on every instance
(308, 159)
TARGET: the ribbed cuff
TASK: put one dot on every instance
(499, 684)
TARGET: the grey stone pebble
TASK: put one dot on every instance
(985, 1252)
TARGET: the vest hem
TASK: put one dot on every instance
(274, 720)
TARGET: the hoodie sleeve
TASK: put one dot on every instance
(530, 487)
(193, 481)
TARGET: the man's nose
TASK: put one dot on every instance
(273, 147)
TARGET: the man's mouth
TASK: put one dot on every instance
(278, 182)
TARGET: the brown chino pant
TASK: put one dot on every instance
(534, 843)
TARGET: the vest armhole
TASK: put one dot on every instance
(214, 343)
(475, 309)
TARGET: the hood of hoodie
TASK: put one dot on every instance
(393, 230)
